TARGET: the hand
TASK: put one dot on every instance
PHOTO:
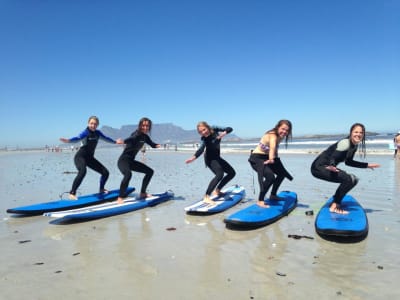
(372, 166)
(332, 169)
(119, 141)
(269, 161)
(221, 135)
(190, 159)
(64, 140)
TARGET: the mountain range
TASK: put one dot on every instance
(162, 133)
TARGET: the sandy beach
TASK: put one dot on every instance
(134, 256)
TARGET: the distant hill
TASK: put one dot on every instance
(161, 133)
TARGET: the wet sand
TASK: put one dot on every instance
(135, 256)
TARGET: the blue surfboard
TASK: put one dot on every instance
(256, 216)
(111, 208)
(40, 208)
(353, 224)
(232, 196)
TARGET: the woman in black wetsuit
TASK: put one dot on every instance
(325, 165)
(265, 161)
(127, 162)
(210, 142)
(85, 156)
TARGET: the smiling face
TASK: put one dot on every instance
(92, 124)
(357, 134)
(144, 127)
(283, 130)
(203, 130)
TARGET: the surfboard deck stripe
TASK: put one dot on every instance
(232, 196)
(112, 208)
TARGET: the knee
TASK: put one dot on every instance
(353, 180)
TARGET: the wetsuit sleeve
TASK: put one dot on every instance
(278, 163)
(220, 129)
(79, 137)
(201, 149)
(150, 142)
(353, 163)
(106, 138)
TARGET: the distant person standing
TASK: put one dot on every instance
(127, 162)
(85, 156)
(265, 161)
(396, 142)
(210, 143)
(325, 165)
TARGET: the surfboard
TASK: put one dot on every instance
(57, 205)
(232, 196)
(255, 216)
(353, 224)
(112, 208)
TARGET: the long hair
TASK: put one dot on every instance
(205, 124)
(142, 120)
(363, 148)
(279, 124)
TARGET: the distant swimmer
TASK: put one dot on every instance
(396, 142)
(85, 156)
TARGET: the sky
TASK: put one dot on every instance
(323, 65)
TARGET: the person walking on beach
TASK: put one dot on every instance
(210, 142)
(265, 161)
(325, 165)
(127, 162)
(85, 156)
(396, 142)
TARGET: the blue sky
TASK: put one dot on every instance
(322, 64)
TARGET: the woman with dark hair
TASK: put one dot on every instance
(127, 162)
(265, 161)
(210, 142)
(85, 156)
(325, 165)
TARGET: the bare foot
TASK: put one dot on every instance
(218, 193)
(120, 200)
(72, 197)
(261, 203)
(145, 195)
(208, 200)
(334, 208)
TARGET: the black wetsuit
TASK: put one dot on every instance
(342, 151)
(213, 160)
(266, 173)
(127, 162)
(85, 157)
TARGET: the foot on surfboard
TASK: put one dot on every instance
(261, 203)
(337, 210)
(208, 200)
(145, 195)
(72, 197)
